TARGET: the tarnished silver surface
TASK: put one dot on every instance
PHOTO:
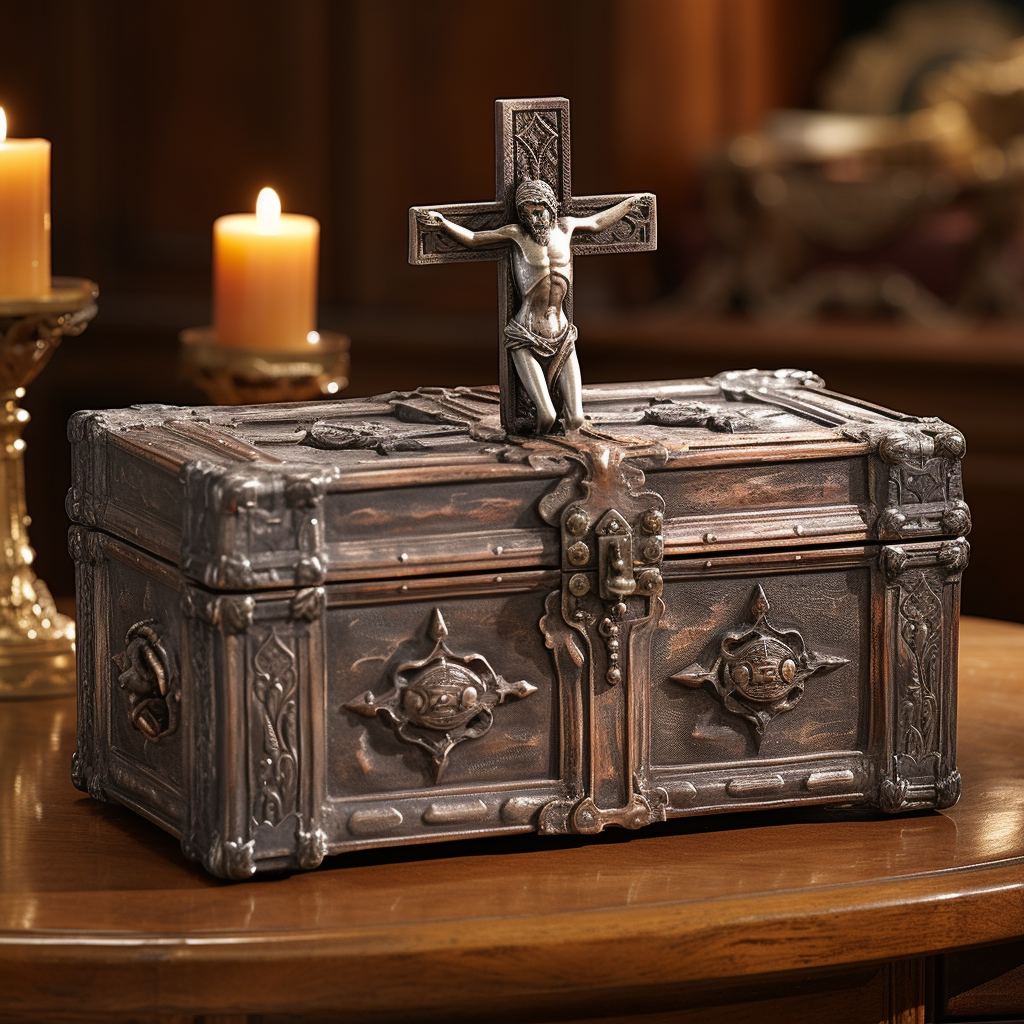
(441, 700)
(760, 671)
(314, 653)
(533, 229)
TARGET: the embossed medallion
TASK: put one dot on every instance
(148, 676)
(442, 700)
(761, 671)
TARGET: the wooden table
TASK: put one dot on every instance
(812, 915)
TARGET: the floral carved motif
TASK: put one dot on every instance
(918, 762)
(920, 612)
(277, 769)
(442, 700)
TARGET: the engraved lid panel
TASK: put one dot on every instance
(424, 482)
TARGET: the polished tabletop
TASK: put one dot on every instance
(99, 908)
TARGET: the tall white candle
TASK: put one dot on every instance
(265, 278)
(24, 215)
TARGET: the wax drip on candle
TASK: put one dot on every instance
(268, 211)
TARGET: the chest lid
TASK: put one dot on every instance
(427, 482)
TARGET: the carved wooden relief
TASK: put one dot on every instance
(148, 676)
(711, 417)
(922, 770)
(761, 671)
(442, 700)
(275, 691)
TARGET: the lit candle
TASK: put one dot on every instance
(24, 215)
(265, 275)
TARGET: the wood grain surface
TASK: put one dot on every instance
(101, 914)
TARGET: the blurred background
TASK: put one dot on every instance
(839, 182)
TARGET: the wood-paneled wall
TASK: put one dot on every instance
(165, 114)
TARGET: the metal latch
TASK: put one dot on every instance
(619, 561)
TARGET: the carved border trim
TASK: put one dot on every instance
(921, 605)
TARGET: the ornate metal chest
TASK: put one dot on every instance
(306, 629)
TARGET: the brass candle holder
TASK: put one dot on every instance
(37, 643)
(241, 377)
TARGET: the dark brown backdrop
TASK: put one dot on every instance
(165, 114)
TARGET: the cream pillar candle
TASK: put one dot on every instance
(265, 278)
(24, 215)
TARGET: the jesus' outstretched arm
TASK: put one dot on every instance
(606, 218)
(473, 239)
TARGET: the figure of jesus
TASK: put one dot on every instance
(540, 337)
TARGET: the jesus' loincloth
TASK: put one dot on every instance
(551, 353)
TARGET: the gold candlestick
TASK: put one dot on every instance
(37, 643)
(240, 377)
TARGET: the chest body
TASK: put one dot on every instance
(317, 628)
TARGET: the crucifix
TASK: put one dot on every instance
(533, 229)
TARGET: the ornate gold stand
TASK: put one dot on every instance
(37, 643)
(240, 377)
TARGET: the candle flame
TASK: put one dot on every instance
(268, 210)
(3, 125)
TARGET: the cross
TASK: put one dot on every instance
(532, 144)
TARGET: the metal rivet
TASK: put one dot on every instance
(576, 522)
(707, 564)
(497, 579)
(403, 557)
(579, 585)
(709, 538)
(578, 553)
(651, 521)
(798, 557)
(798, 530)
(498, 549)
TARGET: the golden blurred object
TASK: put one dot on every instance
(855, 179)
(37, 643)
(240, 377)
(885, 71)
